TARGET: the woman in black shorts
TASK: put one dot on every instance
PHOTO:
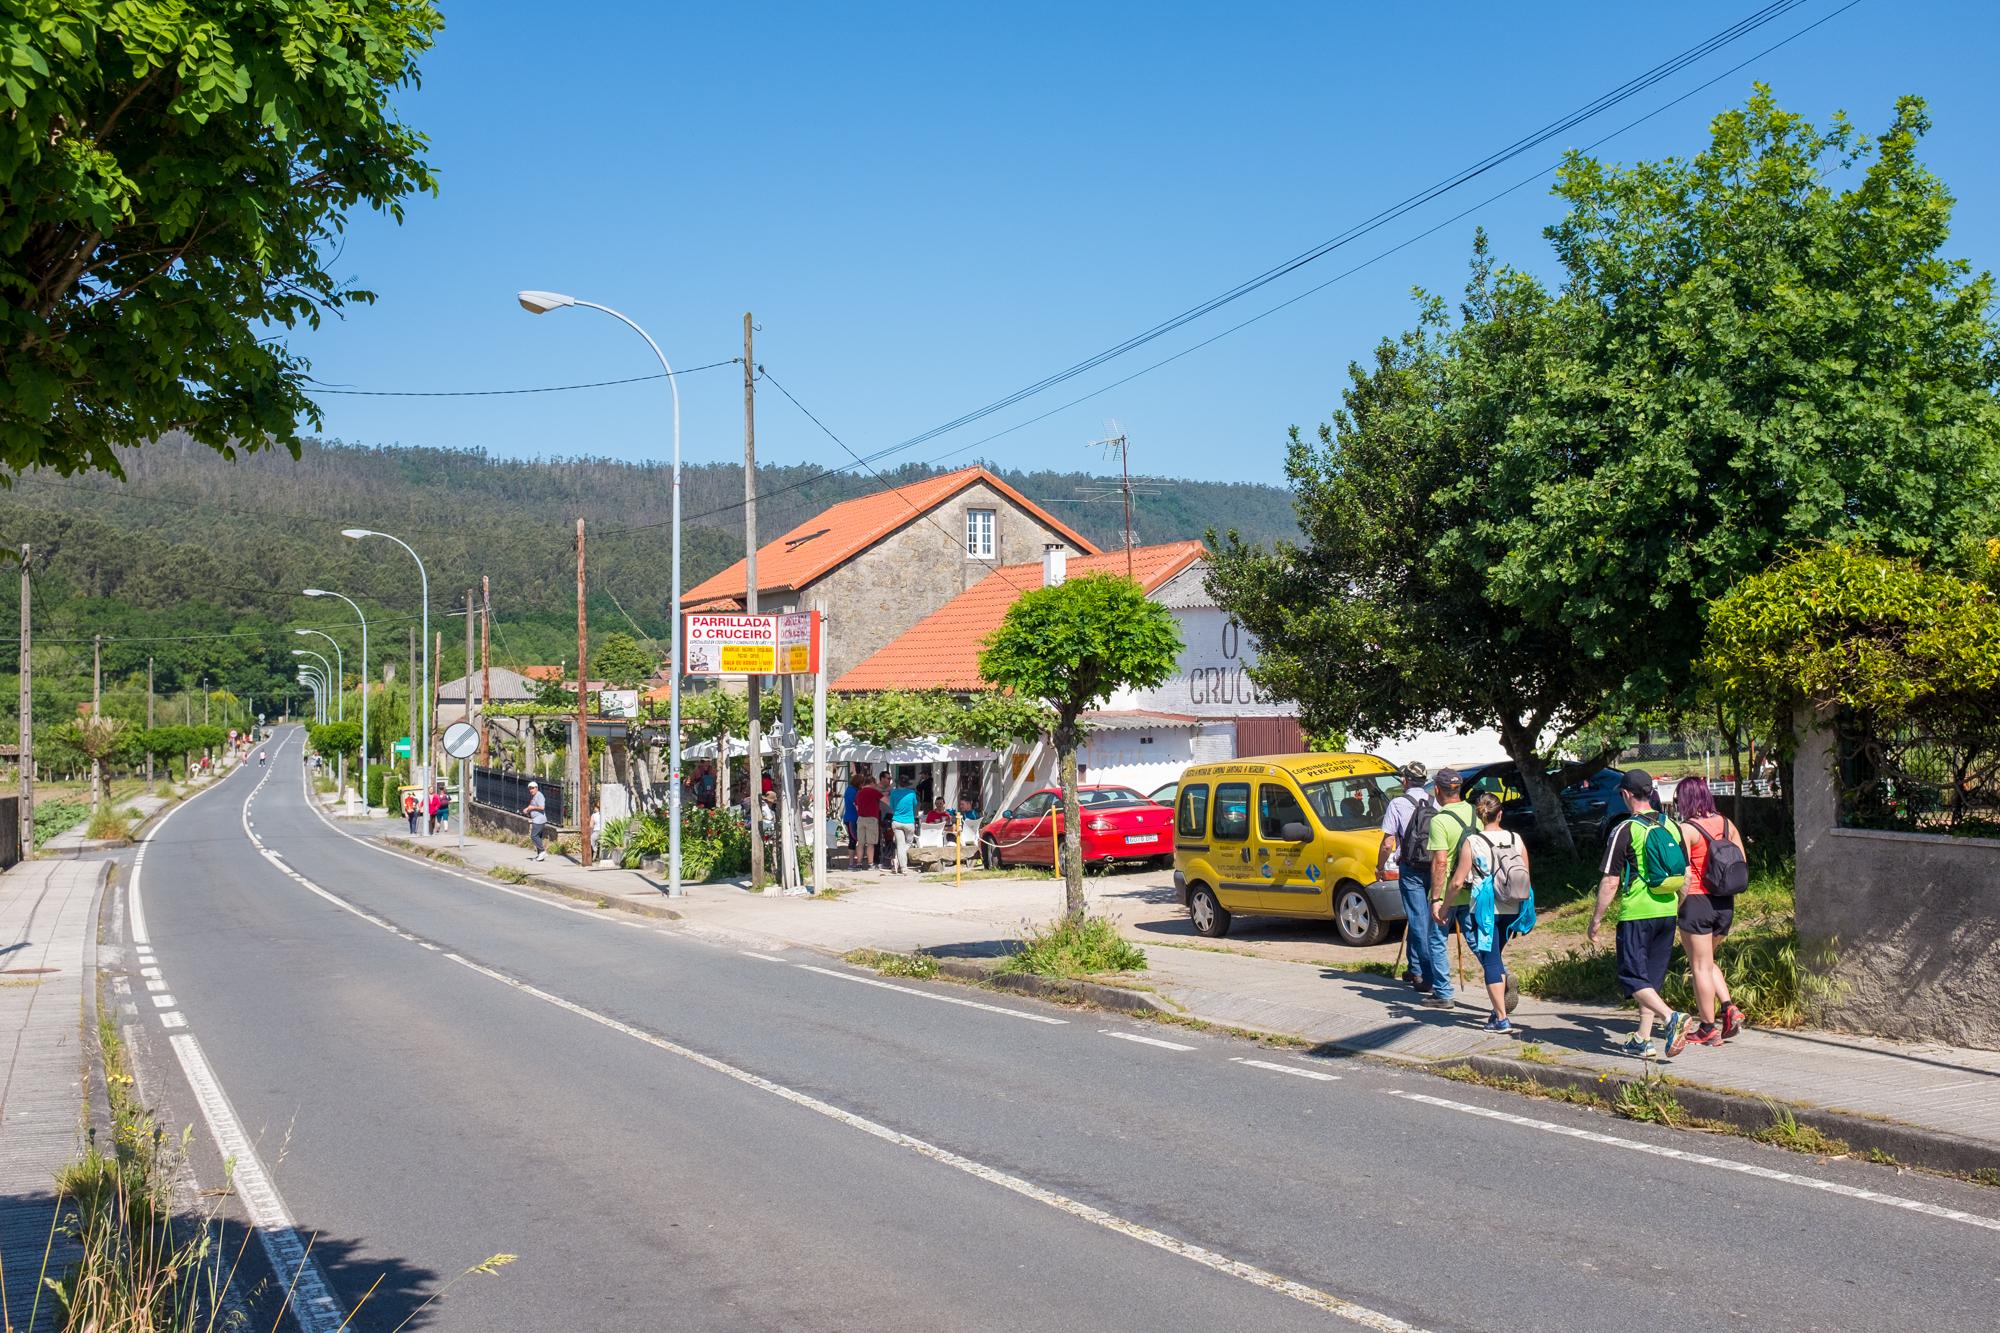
(1702, 921)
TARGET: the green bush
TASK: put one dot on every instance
(1076, 947)
(58, 816)
(714, 843)
(110, 826)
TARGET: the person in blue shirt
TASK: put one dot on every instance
(849, 816)
(903, 819)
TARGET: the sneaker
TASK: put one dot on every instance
(1498, 1023)
(1707, 1034)
(1675, 1039)
(1732, 1020)
(1636, 1048)
(1436, 1001)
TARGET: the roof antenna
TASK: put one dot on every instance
(1114, 438)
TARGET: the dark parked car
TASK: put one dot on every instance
(1591, 807)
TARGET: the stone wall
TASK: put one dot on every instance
(915, 570)
(1910, 921)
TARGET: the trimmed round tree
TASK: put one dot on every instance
(1072, 647)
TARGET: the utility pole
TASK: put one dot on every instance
(204, 701)
(434, 747)
(27, 719)
(97, 716)
(149, 717)
(1123, 447)
(414, 686)
(583, 714)
(754, 802)
(464, 806)
(485, 664)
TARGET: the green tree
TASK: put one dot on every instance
(1072, 646)
(96, 739)
(621, 663)
(336, 740)
(178, 174)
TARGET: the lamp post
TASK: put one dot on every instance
(309, 677)
(325, 679)
(541, 303)
(322, 592)
(423, 766)
(339, 702)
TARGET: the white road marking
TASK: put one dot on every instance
(313, 1304)
(156, 984)
(1293, 1070)
(174, 1020)
(928, 995)
(1703, 1159)
(766, 957)
(163, 1001)
(1221, 1263)
(149, 971)
(1147, 1041)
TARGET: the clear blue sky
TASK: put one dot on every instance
(929, 206)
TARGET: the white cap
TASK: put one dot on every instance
(535, 785)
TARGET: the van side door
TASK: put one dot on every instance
(1233, 851)
(1291, 880)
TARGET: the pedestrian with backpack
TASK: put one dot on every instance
(1718, 870)
(1406, 858)
(1644, 870)
(1493, 898)
(1448, 825)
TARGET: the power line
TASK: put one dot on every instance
(321, 387)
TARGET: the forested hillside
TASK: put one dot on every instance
(198, 561)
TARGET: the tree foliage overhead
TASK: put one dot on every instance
(1520, 515)
(176, 176)
(620, 662)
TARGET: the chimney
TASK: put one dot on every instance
(1055, 563)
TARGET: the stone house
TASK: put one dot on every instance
(876, 565)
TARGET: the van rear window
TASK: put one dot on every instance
(1232, 811)
(1191, 820)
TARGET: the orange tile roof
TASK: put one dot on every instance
(941, 651)
(543, 672)
(841, 532)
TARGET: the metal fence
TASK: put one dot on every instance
(10, 831)
(1919, 781)
(503, 793)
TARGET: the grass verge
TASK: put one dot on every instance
(1075, 947)
(920, 965)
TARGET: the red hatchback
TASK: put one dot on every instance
(1118, 825)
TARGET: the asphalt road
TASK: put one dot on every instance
(672, 1132)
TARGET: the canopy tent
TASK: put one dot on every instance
(843, 748)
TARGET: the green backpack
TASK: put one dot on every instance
(1659, 856)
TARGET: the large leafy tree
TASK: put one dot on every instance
(620, 662)
(1521, 515)
(1071, 647)
(174, 179)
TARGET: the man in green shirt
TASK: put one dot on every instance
(1453, 820)
(1646, 916)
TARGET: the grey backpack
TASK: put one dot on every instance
(1510, 872)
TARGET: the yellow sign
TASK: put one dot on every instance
(749, 659)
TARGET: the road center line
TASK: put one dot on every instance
(927, 995)
(1147, 1041)
(1298, 1291)
(766, 957)
(1703, 1159)
(1293, 1070)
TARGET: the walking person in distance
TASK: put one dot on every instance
(1718, 869)
(537, 811)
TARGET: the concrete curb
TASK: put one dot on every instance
(1052, 988)
(1910, 1145)
(569, 891)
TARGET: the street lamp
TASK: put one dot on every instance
(310, 677)
(541, 303)
(421, 771)
(339, 673)
(322, 592)
(325, 676)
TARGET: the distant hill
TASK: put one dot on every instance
(195, 543)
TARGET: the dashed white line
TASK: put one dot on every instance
(149, 971)
(1293, 1070)
(1148, 1041)
(1703, 1159)
(174, 1020)
(313, 1304)
(156, 984)
(928, 995)
(766, 957)
(163, 1001)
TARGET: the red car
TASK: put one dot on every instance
(1118, 825)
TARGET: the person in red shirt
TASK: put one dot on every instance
(1703, 920)
(867, 824)
(937, 814)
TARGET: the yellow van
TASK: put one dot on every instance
(1292, 835)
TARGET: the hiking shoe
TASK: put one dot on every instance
(1419, 985)
(1635, 1047)
(1435, 1001)
(1498, 1023)
(1732, 1020)
(1675, 1038)
(1707, 1034)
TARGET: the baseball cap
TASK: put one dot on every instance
(535, 785)
(1447, 779)
(1638, 782)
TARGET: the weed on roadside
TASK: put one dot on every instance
(1785, 1131)
(1986, 1175)
(509, 874)
(831, 894)
(1075, 947)
(1527, 1087)
(110, 826)
(1651, 1103)
(920, 965)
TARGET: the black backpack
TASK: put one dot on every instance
(1727, 873)
(1414, 848)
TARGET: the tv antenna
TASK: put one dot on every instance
(1114, 438)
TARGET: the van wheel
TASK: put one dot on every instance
(1210, 917)
(1354, 918)
(989, 855)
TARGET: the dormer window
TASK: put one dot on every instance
(979, 533)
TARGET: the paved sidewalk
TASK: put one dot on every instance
(45, 928)
(1944, 1088)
